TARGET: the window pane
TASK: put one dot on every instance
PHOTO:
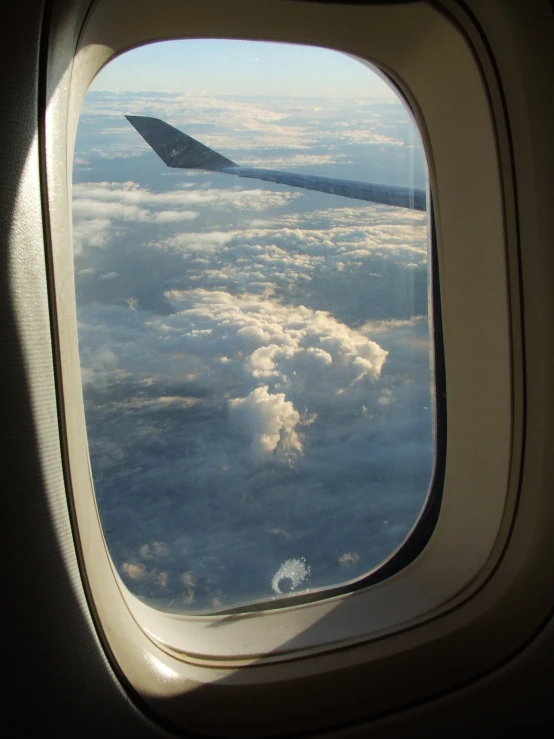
(256, 357)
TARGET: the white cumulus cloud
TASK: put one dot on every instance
(270, 421)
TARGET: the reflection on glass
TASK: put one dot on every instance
(255, 357)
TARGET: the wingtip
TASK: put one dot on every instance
(138, 119)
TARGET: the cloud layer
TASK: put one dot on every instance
(255, 361)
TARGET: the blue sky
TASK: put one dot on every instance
(234, 67)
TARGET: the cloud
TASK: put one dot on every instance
(326, 264)
(386, 235)
(172, 216)
(293, 161)
(238, 125)
(365, 136)
(97, 206)
(89, 208)
(254, 342)
(91, 232)
(155, 404)
(270, 421)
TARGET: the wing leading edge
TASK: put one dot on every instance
(176, 149)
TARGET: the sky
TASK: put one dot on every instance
(255, 357)
(225, 67)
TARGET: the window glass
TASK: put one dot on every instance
(256, 353)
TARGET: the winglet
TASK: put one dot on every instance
(175, 148)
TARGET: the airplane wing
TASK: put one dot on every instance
(176, 149)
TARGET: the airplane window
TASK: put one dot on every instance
(252, 261)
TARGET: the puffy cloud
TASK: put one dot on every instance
(364, 136)
(155, 404)
(96, 206)
(91, 232)
(275, 340)
(247, 340)
(262, 121)
(171, 216)
(382, 257)
(235, 125)
(294, 161)
(117, 152)
(386, 237)
(348, 559)
(270, 421)
(134, 571)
